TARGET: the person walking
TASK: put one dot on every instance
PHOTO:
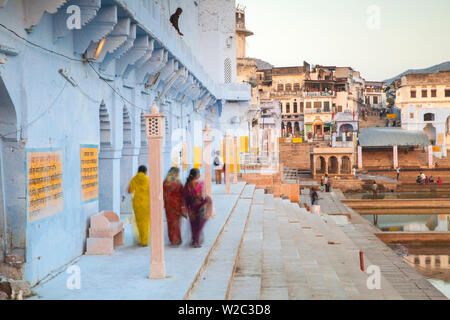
(327, 183)
(398, 173)
(173, 205)
(321, 184)
(140, 188)
(218, 167)
(314, 197)
(198, 205)
(374, 189)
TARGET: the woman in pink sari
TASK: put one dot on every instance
(198, 205)
(173, 204)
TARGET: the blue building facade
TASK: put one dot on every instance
(64, 91)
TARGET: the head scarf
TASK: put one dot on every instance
(172, 175)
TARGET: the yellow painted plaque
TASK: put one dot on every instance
(89, 173)
(297, 140)
(198, 157)
(185, 155)
(436, 149)
(282, 140)
(244, 144)
(44, 184)
(391, 116)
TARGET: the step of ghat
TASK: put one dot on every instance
(400, 206)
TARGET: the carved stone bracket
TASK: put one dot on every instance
(166, 73)
(98, 28)
(88, 8)
(34, 10)
(185, 89)
(147, 55)
(117, 37)
(139, 49)
(178, 84)
(153, 66)
(122, 49)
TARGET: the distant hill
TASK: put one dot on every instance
(442, 66)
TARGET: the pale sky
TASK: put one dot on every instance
(412, 34)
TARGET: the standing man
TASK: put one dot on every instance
(174, 20)
(327, 183)
(218, 167)
(398, 173)
(374, 189)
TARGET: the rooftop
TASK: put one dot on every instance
(388, 137)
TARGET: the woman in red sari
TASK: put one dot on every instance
(198, 205)
(173, 203)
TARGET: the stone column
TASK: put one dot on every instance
(395, 156)
(269, 147)
(235, 157)
(313, 166)
(360, 160)
(339, 162)
(207, 139)
(227, 163)
(155, 134)
(444, 261)
(430, 156)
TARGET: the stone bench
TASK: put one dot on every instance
(106, 231)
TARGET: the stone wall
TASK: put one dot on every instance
(295, 155)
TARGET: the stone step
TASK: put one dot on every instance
(269, 202)
(246, 283)
(248, 191)
(273, 280)
(258, 197)
(325, 282)
(345, 259)
(214, 280)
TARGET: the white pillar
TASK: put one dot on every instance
(430, 156)
(360, 162)
(395, 150)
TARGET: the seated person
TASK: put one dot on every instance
(418, 180)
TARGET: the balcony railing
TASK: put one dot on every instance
(283, 93)
(316, 110)
(319, 94)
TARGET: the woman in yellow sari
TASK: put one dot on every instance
(139, 187)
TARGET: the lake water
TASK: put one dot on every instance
(411, 222)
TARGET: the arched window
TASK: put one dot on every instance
(301, 107)
(428, 117)
(280, 87)
(288, 87)
(296, 86)
(295, 107)
(288, 108)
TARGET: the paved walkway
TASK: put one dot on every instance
(124, 275)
